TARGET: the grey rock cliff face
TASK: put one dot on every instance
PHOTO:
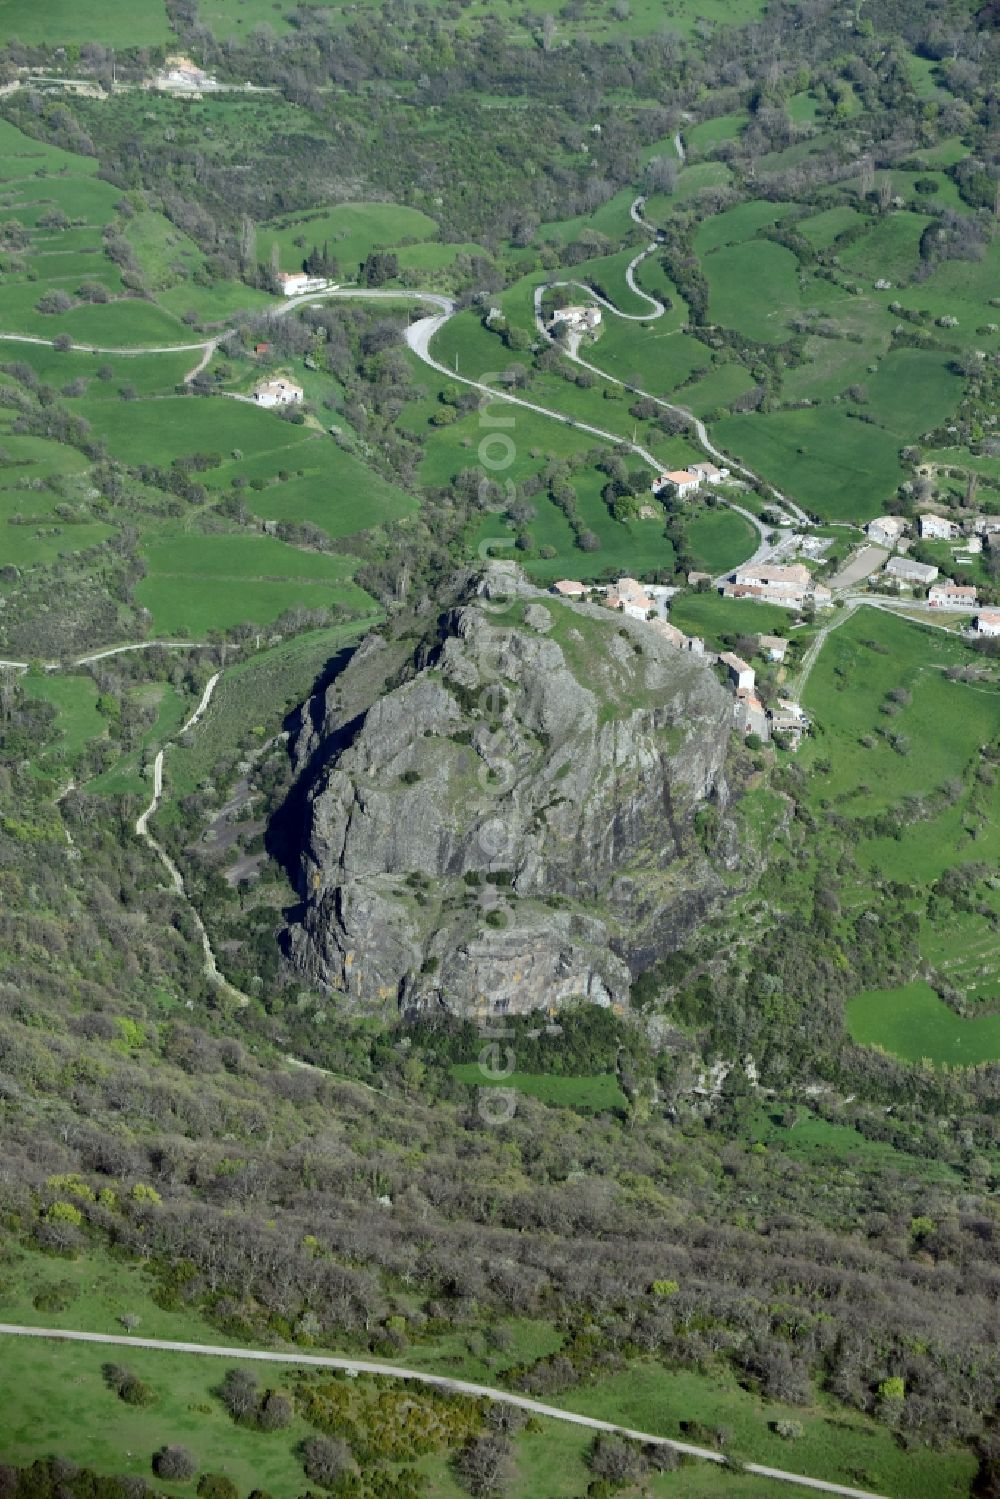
(507, 819)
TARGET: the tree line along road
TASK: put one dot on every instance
(437, 1381)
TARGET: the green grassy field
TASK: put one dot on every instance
(890, 248)
(938, 731)
(733, 225)
(722, 385)
(37, 478)
(124, 777)
(719, 538)
(88, 1424)
(709, 133)
(960, 834)
(753, 288)
(650, 356)
(711, 616)
(141, 23)
(160, 431)
(828, 1148)
(147, 374)
(588, 1095)
(351, 230)
(821, 229)
(638, 547)
(837, 468)
(913, 1023)
(196, 584)
(913, 391)
(961, 289)
(335, 492)
(835, 1445)
(963, 948)
(77, 718)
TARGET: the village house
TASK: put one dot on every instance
(791, 585)
(951, 596)
(694, 579)
(181, 75)
(773, 647)
(709, 474)
(904, 570)
(885, 530)
(750, 714)
(788, 718)
(631, 598)
(279, 392)
(297, 283)
(576, 319)
(936, 528)
(987, 525)
(569, 588)
(740, 672)
(696, 645)
(987, 622)
(681, 480)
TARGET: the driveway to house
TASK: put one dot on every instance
(437, 1381)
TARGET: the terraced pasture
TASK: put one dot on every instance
(196, 584)
(964, 948)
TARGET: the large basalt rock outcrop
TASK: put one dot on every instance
(506, 816)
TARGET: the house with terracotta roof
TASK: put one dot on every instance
(987, 622)
(569, 588)
(683, 481)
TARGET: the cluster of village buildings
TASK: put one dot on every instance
(791, 585)
(648, 602)
(905, 572)
(575, 319)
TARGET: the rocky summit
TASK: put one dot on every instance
(517, 804)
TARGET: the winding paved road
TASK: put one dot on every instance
(437, 1381)
(687, 415)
